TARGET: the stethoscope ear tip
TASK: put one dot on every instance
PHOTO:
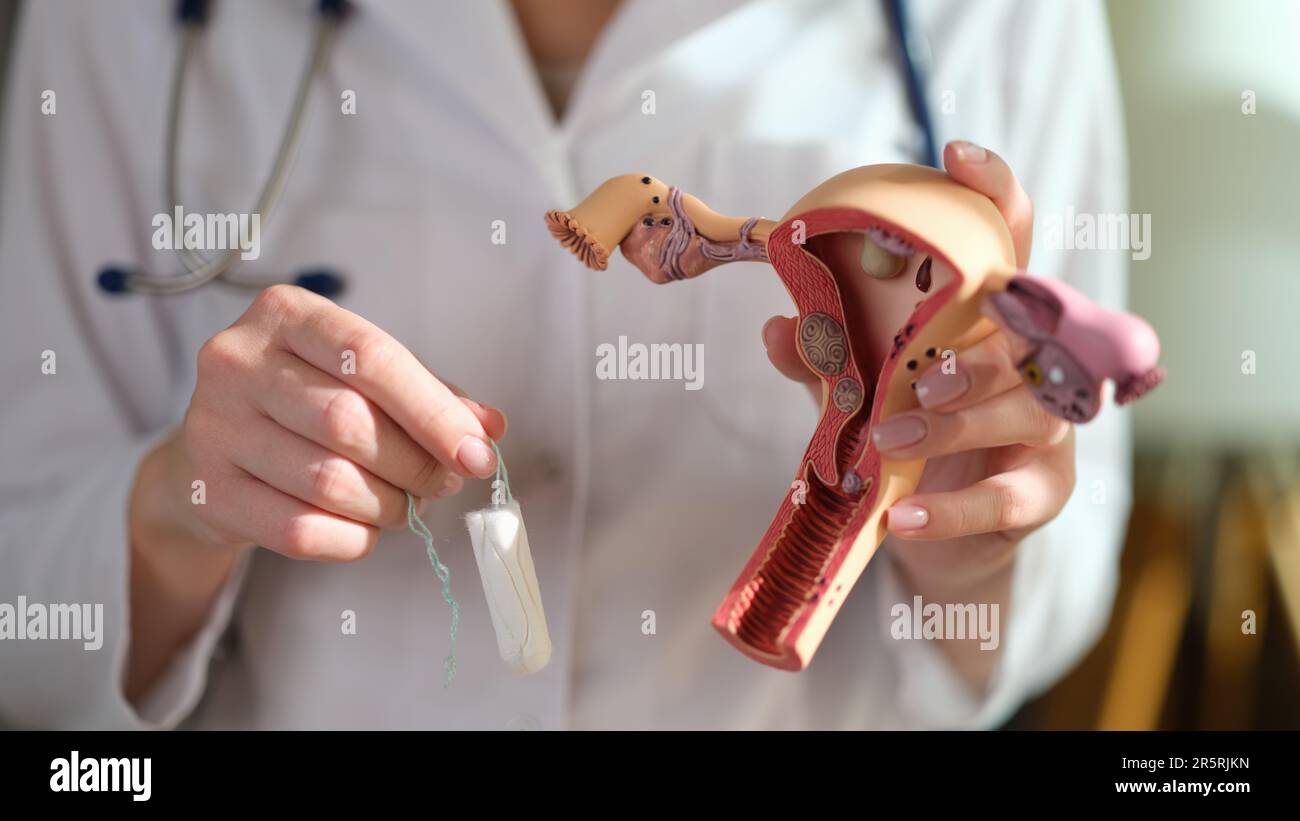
(326, 283)
(114, 281)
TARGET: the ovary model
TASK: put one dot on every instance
(877, 252)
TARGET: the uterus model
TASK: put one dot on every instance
(891, 268)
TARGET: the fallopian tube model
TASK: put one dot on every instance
(877, 252)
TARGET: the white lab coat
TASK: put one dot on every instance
(639, 496)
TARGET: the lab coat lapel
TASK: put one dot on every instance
(476, 48)
(638, 33)
(476, 51)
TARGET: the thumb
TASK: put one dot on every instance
(778, 338)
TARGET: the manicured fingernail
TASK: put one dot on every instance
(939, 388)
(899, 432)
(768, 327)
(451, 487)
(908, 517)
(969, 152)
(476, 457)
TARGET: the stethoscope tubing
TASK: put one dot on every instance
(200, 271)
(913, 58)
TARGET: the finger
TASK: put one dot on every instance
(228, 357)
(315, 475)
(984, 370)
(453, 486)
(315, 405)
(779, 339)
(1019, 345)
(494, 421)
(1013, 417)
(277, 521)
(324, 335)
(980, 169)
(1015, 502)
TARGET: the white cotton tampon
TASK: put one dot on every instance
(505, 564)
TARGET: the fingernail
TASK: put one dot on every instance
(938, 388)
(767, 329)
(969, 152)
(450, 487)
(908, 517)
(899, 432)
(421, 504)
(476, 457)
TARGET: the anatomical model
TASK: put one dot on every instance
(879, 252)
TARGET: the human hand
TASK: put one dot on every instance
(300, 453)
(998, 465)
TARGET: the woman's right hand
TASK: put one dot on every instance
(307, 426)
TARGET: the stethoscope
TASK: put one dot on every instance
(913, 59)
(192, 16)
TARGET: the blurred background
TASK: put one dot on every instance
(1205, 633)
(1212, 102)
